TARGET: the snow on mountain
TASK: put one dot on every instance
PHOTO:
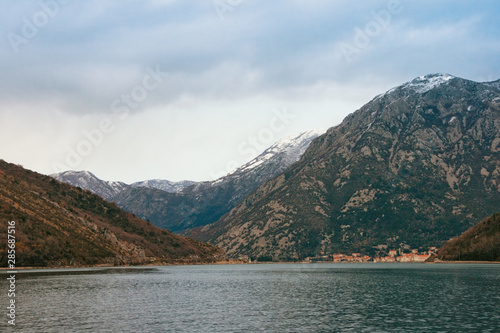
(181, 205)
(164, 185)
(108, 189)
(205, 202)
(293, 147)
(88, 181)
(421, 84)
(495, 84)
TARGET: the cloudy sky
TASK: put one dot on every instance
(177, 89)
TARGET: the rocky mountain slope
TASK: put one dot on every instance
(479, 243)
(61, 225)
(205, 202)
(416, 165)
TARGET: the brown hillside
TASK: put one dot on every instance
(61, 225)
(479, 243)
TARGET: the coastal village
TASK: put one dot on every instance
(392, 256)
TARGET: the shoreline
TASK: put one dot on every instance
(228, 262)
(464, 262)
(236, 262)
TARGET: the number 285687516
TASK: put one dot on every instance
(11, 254)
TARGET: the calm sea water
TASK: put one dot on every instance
(260, 298)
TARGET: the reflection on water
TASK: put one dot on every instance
(267, 298)
(25, 273)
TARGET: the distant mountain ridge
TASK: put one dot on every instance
(181, 205)
(205, 202)
(108, 189)
(164, 185)
(416, 165)
(59, 225)
(88, 181)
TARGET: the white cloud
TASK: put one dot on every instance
(443, 32)
(224, 77)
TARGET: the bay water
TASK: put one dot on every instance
(259, 298)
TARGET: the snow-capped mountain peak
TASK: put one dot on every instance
(293, 146)
(88, 181)
(294, 140)
(423, 84)
(164, 185)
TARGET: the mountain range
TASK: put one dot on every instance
(178, 206)
(108, 189)
(58, 225)
(415, 166)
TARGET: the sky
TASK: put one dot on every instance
(184, 89)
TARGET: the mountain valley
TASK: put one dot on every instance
(183, 205)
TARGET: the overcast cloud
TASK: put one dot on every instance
(176, 88)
